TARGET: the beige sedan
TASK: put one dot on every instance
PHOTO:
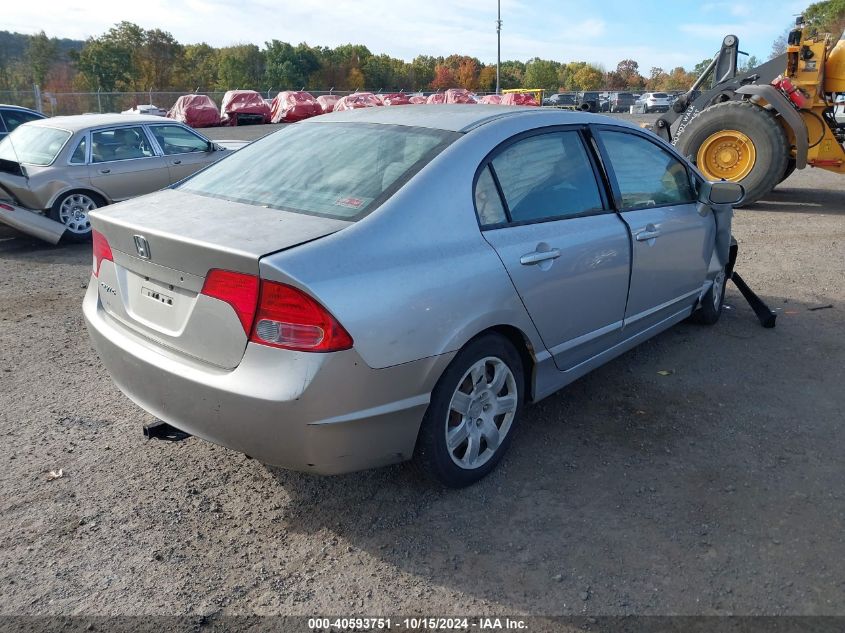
(68, 166)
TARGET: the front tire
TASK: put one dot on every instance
(713, 301)
(474, 409)
(71, 209)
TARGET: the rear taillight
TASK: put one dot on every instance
(102, 250)
(6, 207)
(276, 314)
(237, 289)
(289, 318)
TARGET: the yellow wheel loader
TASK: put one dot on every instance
(757, 126)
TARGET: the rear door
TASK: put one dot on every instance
(184, 151)
(672, 235)
(124, 163)
(541, 208)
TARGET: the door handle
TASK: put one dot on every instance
(105, 171)
(645, 235)
(177, 162)
(539, 256)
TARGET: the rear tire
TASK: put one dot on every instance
(761, 126)
(473, 412)
(71, 210)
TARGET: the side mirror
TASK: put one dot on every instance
(211, 147)
(725, 192)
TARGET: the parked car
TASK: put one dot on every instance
(652, 102)
(620, 102)
(149, 109)
(560, 99)
(69, 166)
(410, 295)
(244, 107)
(195, 110)
(12, 116)
(588, 101)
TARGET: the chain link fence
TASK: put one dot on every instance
(64, 103)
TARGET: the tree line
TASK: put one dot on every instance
(129, 58)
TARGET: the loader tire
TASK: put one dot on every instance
(738, 141)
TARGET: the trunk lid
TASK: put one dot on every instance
(163, 246)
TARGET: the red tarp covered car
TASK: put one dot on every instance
(327, 102)
(357, 100)
(290, 106)
(244, 107)
(394, 98)
(453, 95)
(417, 99)
(491, 99)
(195, 110)
(519, 98)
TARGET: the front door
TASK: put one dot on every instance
(672, 234)
(185, 152)
(565, 251)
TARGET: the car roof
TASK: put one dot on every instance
(9, 106)
(449, 117)
(84, 121)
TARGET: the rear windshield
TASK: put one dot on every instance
(659, 95)
(33, 145)
(336, 170)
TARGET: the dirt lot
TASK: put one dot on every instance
(715, 489)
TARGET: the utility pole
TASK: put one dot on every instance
(498, 41)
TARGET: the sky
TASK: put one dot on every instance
(653, 32)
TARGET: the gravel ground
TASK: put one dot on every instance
(715, 489)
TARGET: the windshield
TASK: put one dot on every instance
(336, 170)
(33, 144)
(659, 95)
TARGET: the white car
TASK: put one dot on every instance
(653, 102)
(146, 109)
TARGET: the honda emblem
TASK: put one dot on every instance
(142, 247)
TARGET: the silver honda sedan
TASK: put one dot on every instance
(374, 285)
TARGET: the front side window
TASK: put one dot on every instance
(174, 139)
(33, 144)
(122, 143)
(647, 175)
(335, 170)
(547, 176)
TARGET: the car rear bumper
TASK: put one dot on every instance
(321, 413)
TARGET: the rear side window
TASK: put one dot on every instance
(80, 154)
(547, 176)
(488, 204)
(336, 170)
(647, 175)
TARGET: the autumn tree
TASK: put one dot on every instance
(467, 74)
(444, 78)
(487, 79)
